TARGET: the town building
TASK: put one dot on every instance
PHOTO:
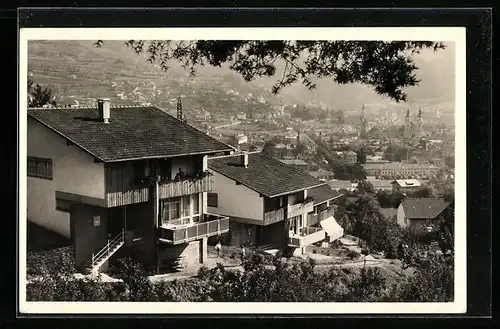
(321, 174)
(400, 170)
(421, 214)
(297, 163)
(350, 157)
(413, 127)
(406, 185)
(269, 203)
(381, 184)
(126, 179)
(338, 185)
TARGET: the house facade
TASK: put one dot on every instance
(420, 214)
(268, 203)
(116, 179)
(400, 169)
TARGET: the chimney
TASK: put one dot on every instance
(244, 159)
(104, 109)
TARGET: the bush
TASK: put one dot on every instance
(60, 260)
(352, 254)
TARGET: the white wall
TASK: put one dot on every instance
(236, 200)
(401, 216)
(74, 171)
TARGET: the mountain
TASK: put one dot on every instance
(77, 70)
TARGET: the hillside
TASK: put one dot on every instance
(78, 70)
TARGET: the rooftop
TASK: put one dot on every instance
(133, 132)
(295, 162)
(423, 208)
(264, 174)
(340, 184)
(380, 183)
(408, 182)
(322, 194)
(397, 165)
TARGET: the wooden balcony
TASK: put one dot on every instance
(316, 218)
(307, 236)
(187, 186)
(210, 225)
(274, 216)
(300, 209)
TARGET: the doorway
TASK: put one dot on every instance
(116, 221)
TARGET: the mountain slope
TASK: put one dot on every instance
(78, 70)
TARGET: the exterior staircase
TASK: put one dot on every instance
(99, 258)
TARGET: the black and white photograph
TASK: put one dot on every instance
(266, 168)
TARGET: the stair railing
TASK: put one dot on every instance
(106, 250)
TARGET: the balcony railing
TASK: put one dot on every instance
(171, 189)
(209, 226)
(307, 236)
(300, 209)
(316, 218)
(274, 216)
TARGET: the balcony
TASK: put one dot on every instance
(171, 189)
(209, 226)
(274, 216)
(307, 236)
(300, 209)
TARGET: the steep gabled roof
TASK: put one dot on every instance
(423, 208)
(322, 194)
(134, 132)
(264, 174)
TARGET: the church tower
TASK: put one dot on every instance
(408, 129)
(362, 133)
(419, 123)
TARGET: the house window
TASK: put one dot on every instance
(213, 200)
(171, 211)
(295, 224)
(63, 205)
(196, 207)
(40, 168)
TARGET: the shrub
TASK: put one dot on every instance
(352, 254)
(60, 260)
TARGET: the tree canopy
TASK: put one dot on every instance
(39, 96)
(385, 66)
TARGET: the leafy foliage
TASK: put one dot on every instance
(386, 66)
(280, 281)
(38, 96)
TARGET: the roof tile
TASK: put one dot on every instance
(132, 133)
(264, 174)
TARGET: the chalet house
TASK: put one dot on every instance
(270, 204)
(420, 214)
(122, 178)
(406, 185)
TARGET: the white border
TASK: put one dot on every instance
(455, 34)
